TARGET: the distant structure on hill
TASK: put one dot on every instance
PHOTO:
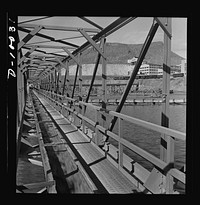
(157, 69)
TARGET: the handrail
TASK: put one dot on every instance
(149, 125)
(146, 155)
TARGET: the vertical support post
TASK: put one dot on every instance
(80, 78)
(57, 87)
(44, 83)
(80, 85)
(167, 142)
(66, 74)
(55, 81)
(120, 146)
(104, 90)
(49, 82)
(165, 94)
(78, 70)
(94, 72)
(51, 88)
(75, 78)
(96, 130)
(19, 88)
(83, 121)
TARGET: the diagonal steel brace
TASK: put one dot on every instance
(92, 42)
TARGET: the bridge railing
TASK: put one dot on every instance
(167, 170)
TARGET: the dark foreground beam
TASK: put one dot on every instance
(143, 52)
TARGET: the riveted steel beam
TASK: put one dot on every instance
(26, 55)
(93, 76)
(49, 46)
(60, 62)
(29, 36)
(163, 24)
(60, 28)
(92, 42)
(91, 22)
(48, 37)
(71, 55)
(66, 77)
(105, 32)
(34, 19)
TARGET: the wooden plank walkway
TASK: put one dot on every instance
(108, 175)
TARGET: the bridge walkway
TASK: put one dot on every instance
(101, 171)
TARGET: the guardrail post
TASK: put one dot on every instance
(104, 94)
(96, 130)
(170, 161)
(120, 146)
(83, 121)
(167, 142)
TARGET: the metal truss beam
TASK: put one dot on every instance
(60, 62)
(75, 81)
(163, 24)
(60, 28)
(93, 76)
(49, 37)
(49, 46)
(92, 42)
(34, 19)
(23, 66)
(26, 55)
(29, 36)
(105, 32)
(91, 22)
(68, 38)
(71, 55)
(28, 48)
(94, 73)
(66, 77)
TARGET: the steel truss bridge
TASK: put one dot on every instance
(76, 154)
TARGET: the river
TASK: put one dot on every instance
(147, 139)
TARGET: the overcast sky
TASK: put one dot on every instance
(132, 33)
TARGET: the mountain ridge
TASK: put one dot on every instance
(119, 53)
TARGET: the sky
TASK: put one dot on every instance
(134, 32)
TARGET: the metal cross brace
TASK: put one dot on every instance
(26, 55)
(92, 42)
(61, 63)
(163, 24)
(29, 36)
(72, 56)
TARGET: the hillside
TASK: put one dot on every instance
(119, 53)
